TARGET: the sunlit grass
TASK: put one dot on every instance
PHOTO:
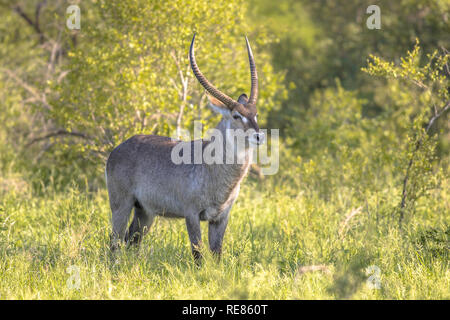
(268, 239)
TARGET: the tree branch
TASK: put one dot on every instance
(27, 87)
(183, 93)
(411, 160)
(60, 132)
(33, 24)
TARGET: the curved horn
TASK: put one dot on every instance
(229, 102)
(254, 75)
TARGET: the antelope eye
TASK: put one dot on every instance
(236, 116)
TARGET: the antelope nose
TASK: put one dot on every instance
(258, 137)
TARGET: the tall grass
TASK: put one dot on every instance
(271, 246)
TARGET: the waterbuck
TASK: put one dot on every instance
(141, 173)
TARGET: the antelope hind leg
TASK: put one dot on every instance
(216, 232)
(195, 235)
(120, 216)
(139, 227)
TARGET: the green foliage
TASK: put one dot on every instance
(268, 241)
(132, 75)
(319, 41)
(359, 147)
(434, 242)
(419, 155)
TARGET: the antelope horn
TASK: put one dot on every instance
(254, 75)
(229, 102)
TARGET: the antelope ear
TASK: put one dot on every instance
(215, 102)
(243, 99)
(218, 106)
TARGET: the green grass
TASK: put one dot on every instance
(269, 238)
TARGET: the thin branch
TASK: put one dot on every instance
(419, 84)
(184, 91)
(36, 18)
(411, 160)
(56, 133)
(54, 54)
(447, 68)
(34, 92)
(28, 20)
(175, 84)
(437, 116)
(62, 75)
(348, 217)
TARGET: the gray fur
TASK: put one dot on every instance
(141, 174)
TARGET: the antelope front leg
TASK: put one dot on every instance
(195, 235)
(216, 232)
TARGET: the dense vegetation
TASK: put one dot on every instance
(359, 208)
